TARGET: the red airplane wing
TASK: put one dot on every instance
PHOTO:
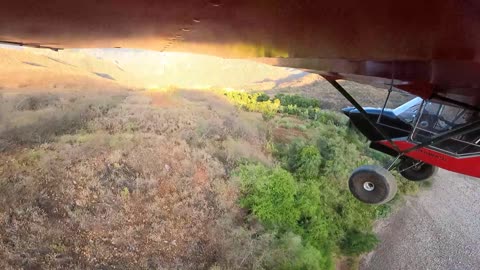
(429, 48)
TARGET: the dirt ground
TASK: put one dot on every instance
(438, 229)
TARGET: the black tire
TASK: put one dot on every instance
(382, 182)
(417, 173)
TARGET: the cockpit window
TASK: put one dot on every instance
(438, 118)
(408, 111)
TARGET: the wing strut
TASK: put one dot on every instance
(357, 106)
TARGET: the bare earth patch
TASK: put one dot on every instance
(439, 229)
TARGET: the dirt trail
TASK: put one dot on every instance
(439, 229)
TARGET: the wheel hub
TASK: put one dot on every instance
(368, 186)
(417, 167)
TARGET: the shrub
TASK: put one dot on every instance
(270, 194)
(356, 243)
(290, 109)
(305, 113)
(293, 253)
(307, 108)
(262, 97)
(298, 101)
(383, 210)
(305, 161)
(254, 103)
(37, 102)
(407, 187)
(331, 118)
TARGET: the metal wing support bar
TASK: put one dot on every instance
(357, 106)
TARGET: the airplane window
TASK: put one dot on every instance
(438, 118)
(408, 111)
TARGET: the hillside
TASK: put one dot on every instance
(22, 68)
(33, 69)
(104, 165)
(26, 69)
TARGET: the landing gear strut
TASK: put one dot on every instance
(415, 170)
(370, 184)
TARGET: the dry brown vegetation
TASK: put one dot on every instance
(38, 118)
(118, 180)
(314, 86)
(123, 179)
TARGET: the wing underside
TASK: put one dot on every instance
(429, 48)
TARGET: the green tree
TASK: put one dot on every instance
(270, 194)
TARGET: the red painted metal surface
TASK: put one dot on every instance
(464, 165)
(427, 47)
